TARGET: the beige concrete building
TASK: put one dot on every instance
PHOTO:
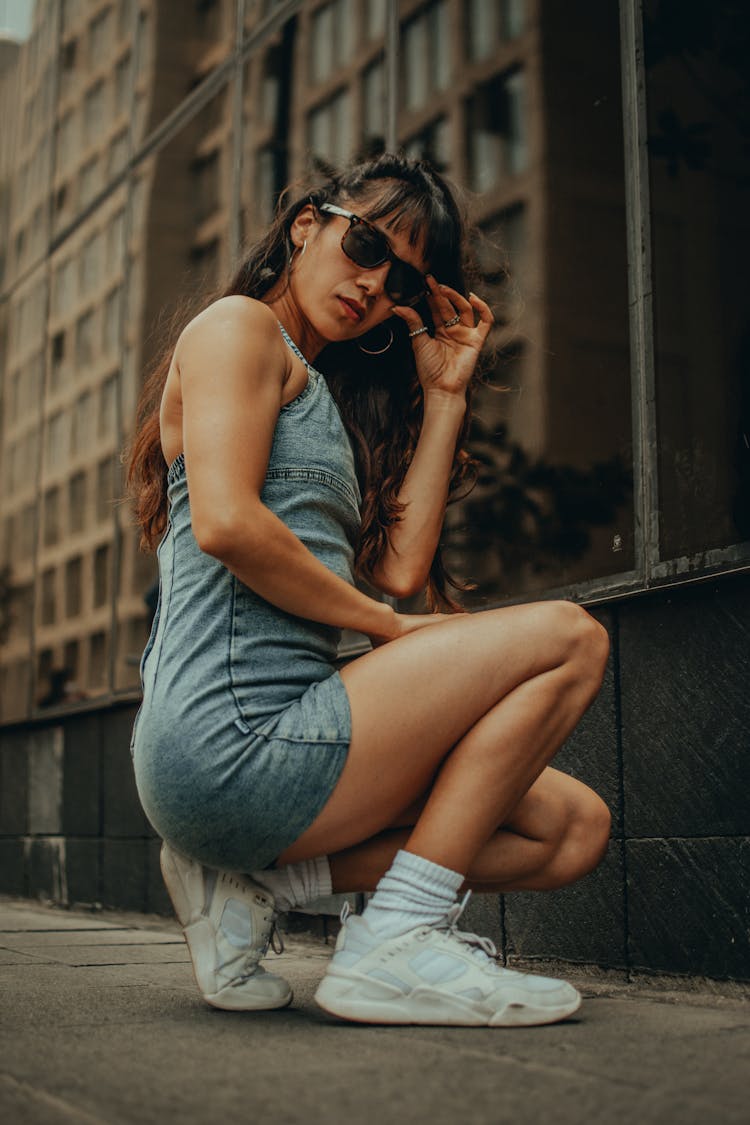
(151, 143)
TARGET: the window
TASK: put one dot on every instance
(91, 264)
(122, 84)
(85, 340)
(111, 322)
(94, 112)
(426, 55)
(331, 39)
(73, 586)
(331, 129)
(374, 101)
(496, 131)
(206, 191)
(57, 444)
(77, 502)
(101, 36)
(101, 574)
(432, 143)
(488, 22)
(107, 407)
(90, 182)
(48, 610)
(57, 360)
(98, 670)
(81, 434)
(105, 490)
(375, 12)
(117, 157)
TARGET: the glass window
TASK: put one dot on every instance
(330, 129)
(101, 35)
(107, 407)
(48, 608)
(496, 139)
(373, 96)
(77, 502)
(552, 506)
(51, 520)
(81, 431)
(73, 586)
(105, 490)
(697, 91)
(425, 45)
(102, 564)
(432, 143)
(91, 181)
(375, 13)
(94, 112)
(331, 38)
(85, 340)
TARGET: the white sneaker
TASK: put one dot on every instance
(228, 922)
(435, 975)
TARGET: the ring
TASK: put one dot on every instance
(418, 331)
(453, 320)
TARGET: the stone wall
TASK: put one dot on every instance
(666, 744)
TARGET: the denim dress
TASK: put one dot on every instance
(245, 723)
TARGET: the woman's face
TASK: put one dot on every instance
(340, 299)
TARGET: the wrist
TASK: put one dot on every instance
(445, 402)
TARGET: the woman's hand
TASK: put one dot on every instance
(446, 361)
(403, 623)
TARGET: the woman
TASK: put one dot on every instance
(421, 768)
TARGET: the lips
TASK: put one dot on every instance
(353, 308)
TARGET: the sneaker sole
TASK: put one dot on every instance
(343, 997)
(193, 937)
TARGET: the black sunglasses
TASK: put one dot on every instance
(368, 247)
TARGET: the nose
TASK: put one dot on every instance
(373, 281)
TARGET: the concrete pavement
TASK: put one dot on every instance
(100, 1022)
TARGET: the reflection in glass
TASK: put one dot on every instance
(552, 506)
(698, 97)
(178, 252)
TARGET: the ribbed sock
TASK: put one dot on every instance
(296, 884)
(413, 892)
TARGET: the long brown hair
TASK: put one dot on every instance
(379, 396)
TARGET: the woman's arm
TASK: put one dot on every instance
(404, 566)
(233, 365)
(445, 365)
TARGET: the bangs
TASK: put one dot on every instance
(423, 217)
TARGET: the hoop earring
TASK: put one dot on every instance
(380, 351)
(297, 250)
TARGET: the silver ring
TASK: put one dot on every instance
(453, 320)
(418, 331)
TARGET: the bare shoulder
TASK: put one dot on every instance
(235, 325)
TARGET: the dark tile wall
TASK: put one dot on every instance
(666, 744)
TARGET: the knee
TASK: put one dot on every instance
(586, 643)
(585, 841)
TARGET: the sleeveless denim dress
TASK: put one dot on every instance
(245, 723)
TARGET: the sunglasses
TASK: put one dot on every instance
(368, 247)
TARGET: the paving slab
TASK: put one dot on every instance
(102, 1032)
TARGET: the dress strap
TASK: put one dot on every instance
(296, 350)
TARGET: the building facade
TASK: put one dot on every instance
(598, 147)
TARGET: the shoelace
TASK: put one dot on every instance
(255, 956)
(481, 947)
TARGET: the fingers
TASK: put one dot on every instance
(450, 308)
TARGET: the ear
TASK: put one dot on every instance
(304, 223)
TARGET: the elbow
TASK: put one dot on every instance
(220, 536)
(401, 585)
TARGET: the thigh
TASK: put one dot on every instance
(412, 700)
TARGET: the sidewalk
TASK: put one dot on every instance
(100, 1022)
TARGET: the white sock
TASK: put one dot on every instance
(296, 884)
(413, 892)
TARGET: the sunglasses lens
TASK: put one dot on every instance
(404, 284)
(369, 248)
(365, 246)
